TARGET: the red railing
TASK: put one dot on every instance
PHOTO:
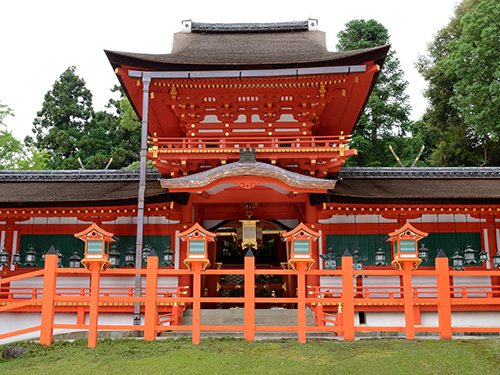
(326, 143)
(334, 307)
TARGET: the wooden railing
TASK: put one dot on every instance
(334, 307)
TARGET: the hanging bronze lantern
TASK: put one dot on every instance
(469, 255)
(380, 257)
(168, 256)
(114, 256)
(458, 261)
(4, 257)
(129, 257)
(30, 256)
(423, 253)
(75, 261)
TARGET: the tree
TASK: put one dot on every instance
(69, 128)
(385, 120)
(462, 70)
(60, 125)
(12, 153)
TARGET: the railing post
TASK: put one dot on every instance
(95, 269)
(249, 296)
(443, 294)
(301, 303)
(49, 292)
(150, 315)
(196, 302)
(408, 301)
(348, 296)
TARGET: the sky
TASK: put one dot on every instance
(41, 39)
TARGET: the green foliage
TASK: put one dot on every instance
(69, 128)
(462, 69)
(385, 120)
(230, 355)
(12, 153)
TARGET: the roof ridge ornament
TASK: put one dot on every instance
(247, 155)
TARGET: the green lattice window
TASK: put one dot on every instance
(196, 247)
(301, 247)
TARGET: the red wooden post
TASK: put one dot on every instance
(95, 268)
(301, 302)
(49, 292)
(444, 298)
(150, 313)
(408, 301)
(249, 296)
(348, 296)
(197, 266)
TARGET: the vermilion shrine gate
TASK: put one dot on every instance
(249, 126)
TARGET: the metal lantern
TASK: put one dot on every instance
(59, 258)
(496, 260)
(380, 257)
(330, 258)
(30, 257)
(457, 261)
(483, 257)
(75, 261)
(469, 255)
(145, 252)
(130, 257)
(16, 259)
(114, 256)
(357, 262)
(168, 256)
(4, 257)
(423, 253)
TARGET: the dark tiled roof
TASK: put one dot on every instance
(79, 188)
(415, 186)
(199, 27)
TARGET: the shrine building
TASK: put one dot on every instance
(248, 127)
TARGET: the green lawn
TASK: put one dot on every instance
(236, 356)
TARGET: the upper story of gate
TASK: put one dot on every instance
(273, 87)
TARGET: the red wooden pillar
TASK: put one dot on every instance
(348, 296)
(150, 313)
(312, 219)
(301, 300)
(249, 296)
(408, 301)
(186, 221)
(49, 292)
(444, 297)
(197, 266)
(95, 278)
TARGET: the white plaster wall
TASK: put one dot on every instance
(425, 281)
(476, 281)
(429, 319)
(475, 319)
(384, 319)
(382, 281)
(16, 321)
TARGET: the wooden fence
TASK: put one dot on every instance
(334, 307)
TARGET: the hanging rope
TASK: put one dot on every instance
(455, 229)
(439, 234)
(467, 226)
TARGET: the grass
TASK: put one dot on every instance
(236, 356)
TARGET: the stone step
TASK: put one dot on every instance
(258, 335)
(263, 317)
